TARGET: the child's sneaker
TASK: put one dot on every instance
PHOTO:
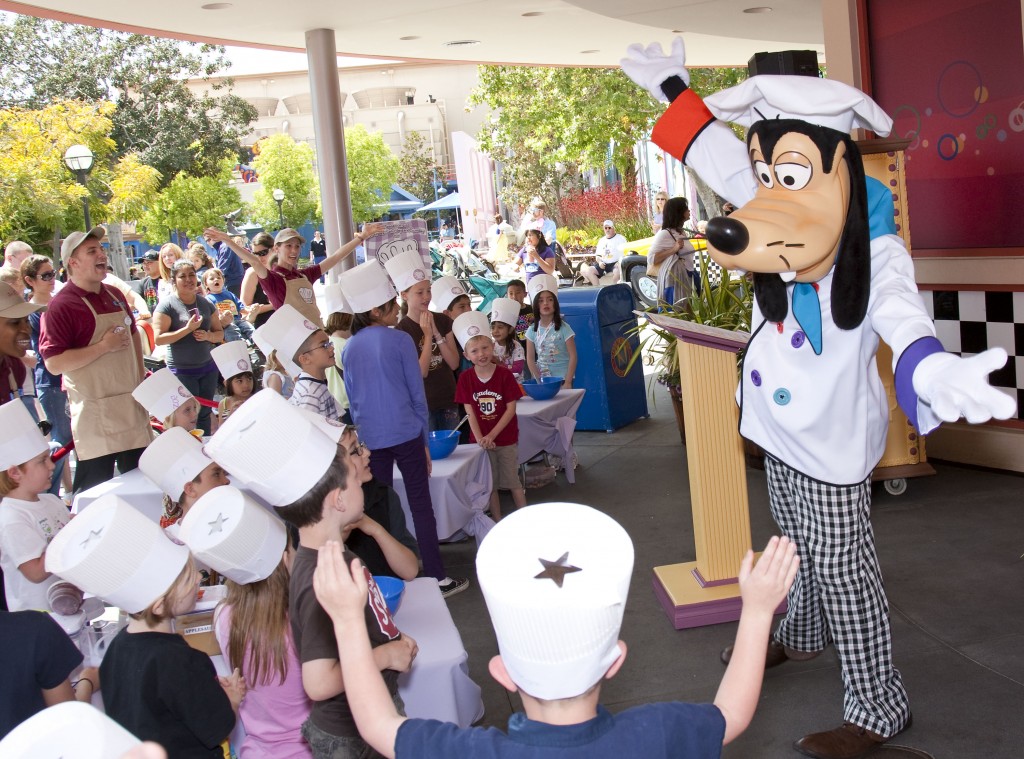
(450, 586)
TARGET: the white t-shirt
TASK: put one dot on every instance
(26, 529)
(609, 249)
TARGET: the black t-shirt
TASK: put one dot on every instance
(313, 633)
(159, 689)
(35, 655)
(381, 504)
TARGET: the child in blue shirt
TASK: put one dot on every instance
(555, 578)
(238, 327)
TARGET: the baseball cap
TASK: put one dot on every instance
(151, 255)
(12, 305)
(73, 240)
(287, 234)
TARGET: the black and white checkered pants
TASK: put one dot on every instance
(838, 595)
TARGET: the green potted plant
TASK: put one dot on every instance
(726, 305)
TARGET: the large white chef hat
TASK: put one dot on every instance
(172, 460)
(161, 393)
(824, 102)
(505, 310)
(285, 331)
(272, 448)
(234, 535)
(232, 358)
(20, 438)
(406, 269)
(555, 578)
(443, 291)
(541, 283)
(366, 287)
(70, 730)
(116, 553)
(469, 325)
(334, 300)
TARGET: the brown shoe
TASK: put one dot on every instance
(845, 742)
(774, 656)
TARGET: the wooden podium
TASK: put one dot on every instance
(705, 591)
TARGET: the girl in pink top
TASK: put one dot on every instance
(254, 633)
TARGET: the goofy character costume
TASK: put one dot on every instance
(830, 278)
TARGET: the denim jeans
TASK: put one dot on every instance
(327, 746)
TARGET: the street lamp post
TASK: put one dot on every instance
(279, 197)
(79, 159)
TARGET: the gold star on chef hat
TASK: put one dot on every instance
(556, 570)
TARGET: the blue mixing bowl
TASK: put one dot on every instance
(392, 589)
(543, 388)
(443, 443)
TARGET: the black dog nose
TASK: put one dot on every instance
(727, 235)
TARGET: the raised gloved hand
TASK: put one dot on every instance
(649, 66)
(955, 386)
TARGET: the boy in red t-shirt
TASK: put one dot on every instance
(489, 393)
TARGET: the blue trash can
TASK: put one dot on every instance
(601, 317)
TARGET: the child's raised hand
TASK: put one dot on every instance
(340, 591)
(764, 586)
(234, 686)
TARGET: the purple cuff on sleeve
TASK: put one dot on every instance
(916, 352)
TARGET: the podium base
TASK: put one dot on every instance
(688, 604)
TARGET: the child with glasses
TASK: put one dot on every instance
(314, 357)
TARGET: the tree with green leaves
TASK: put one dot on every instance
(547, 124)
(190, 204)
(417, 167)
(156, 115)
(372, 169)
(287, 165)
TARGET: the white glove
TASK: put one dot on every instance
(649, 66)
(955, 386)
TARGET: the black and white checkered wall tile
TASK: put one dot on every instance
(969, 322)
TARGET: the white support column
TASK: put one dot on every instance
(330, 142)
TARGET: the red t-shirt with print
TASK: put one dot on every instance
(490, 399)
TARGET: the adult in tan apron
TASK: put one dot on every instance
(299, 295)
(105, 418)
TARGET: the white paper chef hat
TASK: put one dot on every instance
(540, 283)
(20, 438)
(116, 553)
(824, 102)
(173, 459)
(70, 730)
(272, 448)
(469, 325)
(366, 287)
(505, 310)
(232, 358)
(285, 331)
(234, 535)
(443, 291)
(330, 428)
(161, 393)
(334, 300)
(406, 269)
(555, 578)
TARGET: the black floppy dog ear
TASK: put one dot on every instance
(851, 281)
(770, 291)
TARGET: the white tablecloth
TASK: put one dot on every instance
(460, 490)
(548, 426)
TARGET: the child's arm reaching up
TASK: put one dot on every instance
(342, 593)
(762, 589)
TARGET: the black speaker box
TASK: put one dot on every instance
(801, 62)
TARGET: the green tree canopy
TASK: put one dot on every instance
(416, 173)
(191, 204)
(372, 169)
(287, 165)
(156, 115)
(547, 124)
